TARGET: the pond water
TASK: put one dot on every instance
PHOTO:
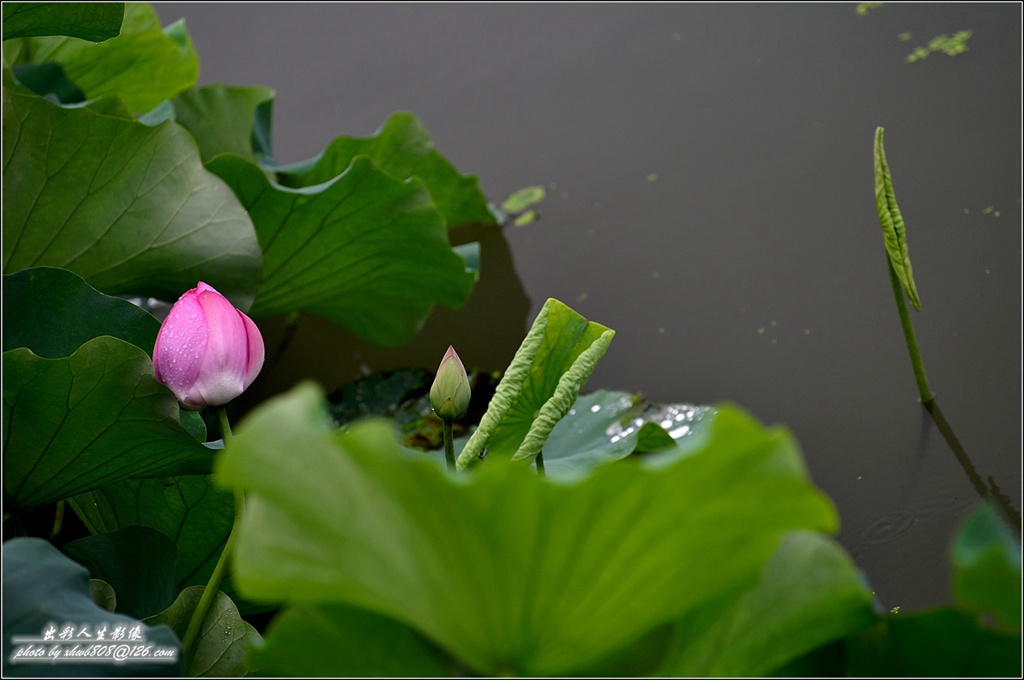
(709, 196)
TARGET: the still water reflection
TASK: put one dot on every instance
(709, 178)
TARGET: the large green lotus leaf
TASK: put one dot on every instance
(53, 312)
(221, 118)
(365, 251)
(809, 593)
(191, 509)
(987, 568)
(938, 643)
(144, 65)
(540, 385)
(81, 422)
(403, 149)
(361, 644)
(136, 561)
(45, 590)
(509, 571)
(127, 207)
(93, 21)
(224, 639)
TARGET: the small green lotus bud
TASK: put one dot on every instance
(449, 395)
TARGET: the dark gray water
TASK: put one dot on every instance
(710, 196)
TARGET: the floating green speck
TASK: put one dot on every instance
(895, 610)
(525, 218)
(906, 35)
(523, 199)
(652, 177)
(863, 7)
(952, 46)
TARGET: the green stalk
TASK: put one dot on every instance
(195, 624)
(58, 519)
(449, 446)
(908, 334)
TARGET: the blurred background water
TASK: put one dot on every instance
(710, 196)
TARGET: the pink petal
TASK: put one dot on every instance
(254, 362)
(222, 375)
(179, 348)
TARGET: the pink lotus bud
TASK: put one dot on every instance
(207, 351)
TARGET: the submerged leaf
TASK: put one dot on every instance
(894, 231)
(540, 385)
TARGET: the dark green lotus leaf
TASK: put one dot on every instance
(95, 21)
(53, 312)
(365, 251)
(137, 562)
(81, 422)
(191, 509)
(361, 644)
(403, 149)
(224, 640)
(143, 65)
(45, 590)
(937, 643)
(48, 80)
(221, 118)
(808, 594)
(127, 207)
(510, 572)
(987, 568)
(540, 385)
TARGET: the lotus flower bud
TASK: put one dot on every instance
(449, 395)
(207, 351)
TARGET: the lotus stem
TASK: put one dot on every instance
(908, 334)
(449, 446)
(195, 624)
